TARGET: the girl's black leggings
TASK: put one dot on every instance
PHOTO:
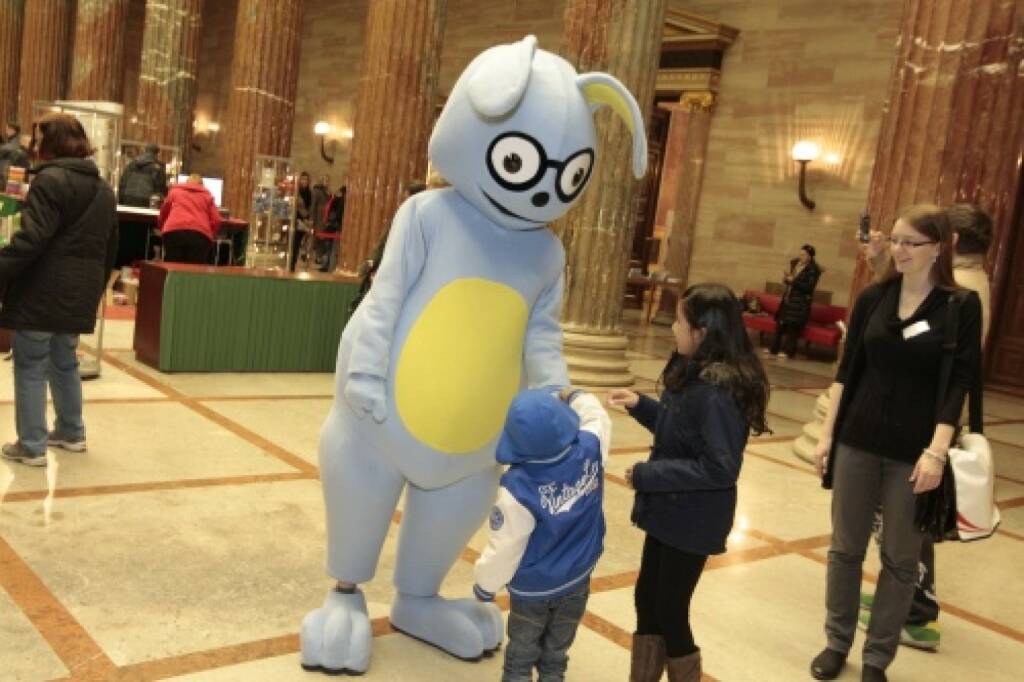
(667, 579)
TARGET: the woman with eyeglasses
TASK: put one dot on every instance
(884, 440)
(801, 280)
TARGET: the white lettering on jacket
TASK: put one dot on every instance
(560, 503)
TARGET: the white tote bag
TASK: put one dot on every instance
(977, 515)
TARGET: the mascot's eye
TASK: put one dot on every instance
(575, 174)
(512, 163)
(515, 160)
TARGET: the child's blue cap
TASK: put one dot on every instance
(538, 427)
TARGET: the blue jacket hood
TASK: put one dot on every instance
(539, 426)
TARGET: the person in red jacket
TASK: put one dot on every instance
(188, 222)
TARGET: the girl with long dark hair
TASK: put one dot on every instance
(716, 393)
(886, 435)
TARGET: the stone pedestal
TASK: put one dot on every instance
(394, 113)
(261, 105)
(12, 13)
(45, 39)
(97, 63)
(623, 38)
(167, 78)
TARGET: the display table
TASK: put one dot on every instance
(133, 224)
(197, 318)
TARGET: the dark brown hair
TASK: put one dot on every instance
(972, 226)
(932, 222)
(725, 356)
(59, 136)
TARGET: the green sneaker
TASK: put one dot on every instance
(866, 601)
(924, 637)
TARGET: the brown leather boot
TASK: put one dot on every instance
(684, 668)
(648, 660)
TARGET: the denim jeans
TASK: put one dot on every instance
(539, 635)
(38, 357)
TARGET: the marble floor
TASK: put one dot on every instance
(188, 543)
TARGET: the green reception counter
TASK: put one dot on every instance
(197, 318)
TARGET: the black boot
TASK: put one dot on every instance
(827, 665)
(872, 674)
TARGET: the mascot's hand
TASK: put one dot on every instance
(365, 394)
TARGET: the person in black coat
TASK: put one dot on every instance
(716, 392)
(53, 274)
(795, 309)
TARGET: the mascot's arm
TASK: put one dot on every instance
(511, 525)
(595, 420)
(371, 351)
(545, 365)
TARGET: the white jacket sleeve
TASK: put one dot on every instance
(511, 526)
(594, 419)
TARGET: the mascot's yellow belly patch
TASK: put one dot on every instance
(460, 366)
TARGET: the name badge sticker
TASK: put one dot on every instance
(915, 329)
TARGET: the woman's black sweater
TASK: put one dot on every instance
(890, 372)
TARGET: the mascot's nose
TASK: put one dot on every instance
(540, 199)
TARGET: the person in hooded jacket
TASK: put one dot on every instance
(53, 274)
(547, 526)
(716, 393)
(188, 223)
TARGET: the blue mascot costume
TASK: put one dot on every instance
(463, 313)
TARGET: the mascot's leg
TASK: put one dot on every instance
(435, 528)
(360, 493)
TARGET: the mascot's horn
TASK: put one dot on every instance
(499, 83)
(600, 90)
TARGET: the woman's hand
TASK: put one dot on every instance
(629, 477)
(821, 452)
(874, 246)
(623, 397)
(927, 474)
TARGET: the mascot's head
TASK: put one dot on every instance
(516, 137)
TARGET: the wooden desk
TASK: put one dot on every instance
(198, 318)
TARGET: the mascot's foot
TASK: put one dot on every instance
(336, 638)
(464, 628)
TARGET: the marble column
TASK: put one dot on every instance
(45, 39)
(261, 104)
(97, 62)
(950, 114)
(679, 193)
(622, 38)
(11, 15)
(952, 129)
(393, 117)
(167, 78)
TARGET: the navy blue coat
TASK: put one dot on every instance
(686, 490)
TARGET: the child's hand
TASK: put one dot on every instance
(565, 393)
(623, 397)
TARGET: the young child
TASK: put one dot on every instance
(715, 393)
(547, 526)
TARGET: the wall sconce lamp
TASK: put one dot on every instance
(322, 129)
(803, 153)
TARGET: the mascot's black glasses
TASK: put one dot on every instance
(518, 161)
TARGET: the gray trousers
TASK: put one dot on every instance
(863, 482)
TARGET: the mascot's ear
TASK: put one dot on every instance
(600, 90)
(499, 82)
